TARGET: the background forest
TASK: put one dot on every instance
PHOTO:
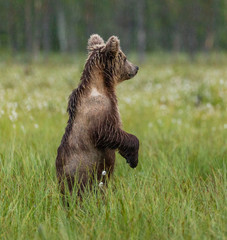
(145, 25)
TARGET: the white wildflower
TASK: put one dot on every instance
(209, 105)
(28, 107)
(40, 106)
(179, 121)
(63, 111)
(45, 104)
(221, 81)
(36, 125)
(128, 100)
(103, 172)
(22, 128)
(163, 107)
(13, 116)
(159, 121)
(158, 86)
(2, 113)
(101, 184)
(163, 99)
(173, 120)
(150, 124)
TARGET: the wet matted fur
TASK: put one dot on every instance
(93, 131)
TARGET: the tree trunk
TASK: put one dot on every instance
(176, 41)
(46, 26)
(72, 37)
(37, 29)
(28, 26)
(89, 17)
(141, 33)
(12, 30)
(72, 25)
(61, 25)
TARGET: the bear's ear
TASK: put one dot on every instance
(113, 45)
(93, 41)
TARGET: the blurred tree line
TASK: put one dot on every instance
(142, 25)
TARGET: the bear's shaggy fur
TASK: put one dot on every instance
(93, 132)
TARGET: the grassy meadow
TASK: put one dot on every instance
(177, 108)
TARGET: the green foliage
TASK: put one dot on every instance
(145, 25)
(178, 191)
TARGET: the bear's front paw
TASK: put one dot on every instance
(132, 161)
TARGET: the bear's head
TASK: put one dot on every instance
(110, 59)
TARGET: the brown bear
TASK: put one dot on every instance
(93, 132)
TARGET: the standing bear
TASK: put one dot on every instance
(93, 131)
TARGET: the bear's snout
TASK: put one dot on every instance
(133, 72)
(136, 69)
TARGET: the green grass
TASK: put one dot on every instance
(178, 111)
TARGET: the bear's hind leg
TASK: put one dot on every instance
(107, 165)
